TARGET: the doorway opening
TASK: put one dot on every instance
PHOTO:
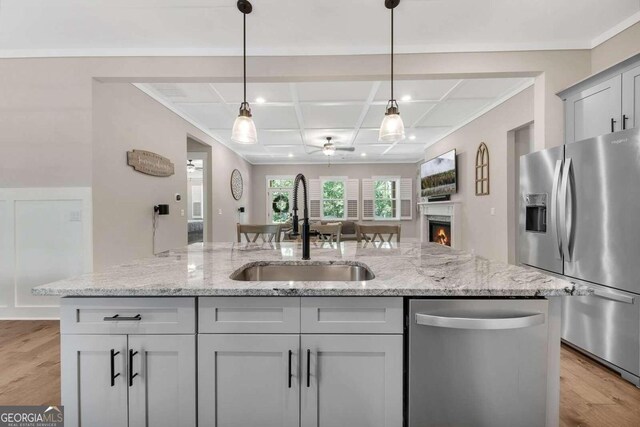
(197, 192)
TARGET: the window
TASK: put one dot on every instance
(197, 198)
(333, 198)
(280, 182)
(279, 198)
(385, 194)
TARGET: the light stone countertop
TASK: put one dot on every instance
(405, 269)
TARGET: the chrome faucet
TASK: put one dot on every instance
(306, 246)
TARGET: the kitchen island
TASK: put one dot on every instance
(148, 342)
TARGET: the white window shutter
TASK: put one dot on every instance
(353, 199)
(367, 199)
(315, 193)
(406, 198)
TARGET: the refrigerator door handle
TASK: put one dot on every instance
(566, 210)
(554, 208)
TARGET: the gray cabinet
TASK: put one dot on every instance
(594, 111)
(94, 380)
(115, 373)
(606, 102)
(135, 381)
(330, 375)
(631, 98)
(351, 380)
(163, 391)
(248, 380)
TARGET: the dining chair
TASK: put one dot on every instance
(328, 233)
(251, 232)
(385, 233)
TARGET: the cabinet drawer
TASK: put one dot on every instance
(250, 315)
(351, 315)
(128, 315)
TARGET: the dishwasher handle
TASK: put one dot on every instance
(481, 323)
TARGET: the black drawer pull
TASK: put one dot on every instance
(118, 318)
(290, 353)
(308, 368)
(131, 374)
(113, 367)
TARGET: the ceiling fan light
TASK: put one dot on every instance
(244, 129)
(392, 128)
(329, 150)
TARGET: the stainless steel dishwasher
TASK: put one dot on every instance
(477, 362)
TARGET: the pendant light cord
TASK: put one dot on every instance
(391, 54)
(244, 54)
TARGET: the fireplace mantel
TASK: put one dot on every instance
(451, 210)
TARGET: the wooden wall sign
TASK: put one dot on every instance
(150, 163)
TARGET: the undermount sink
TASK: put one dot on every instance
(280, 272)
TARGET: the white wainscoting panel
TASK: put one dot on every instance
(6, 255)
(46, 236)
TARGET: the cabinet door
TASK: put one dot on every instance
(94, 387)
(590, 112)
(248, 380)
(631, 98)
(162, 392)
(351, 380)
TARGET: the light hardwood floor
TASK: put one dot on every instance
(29, 362)
(591, 395)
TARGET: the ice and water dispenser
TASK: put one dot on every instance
(536, 213)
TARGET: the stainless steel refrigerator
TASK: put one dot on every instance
(580, 218)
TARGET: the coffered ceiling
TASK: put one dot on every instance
(291, 117)
(304, 27)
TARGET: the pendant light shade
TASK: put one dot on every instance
(244, 130)
(392, 128)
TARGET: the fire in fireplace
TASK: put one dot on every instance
(440, 232)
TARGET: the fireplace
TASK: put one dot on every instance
(440, 232)
(440, 223)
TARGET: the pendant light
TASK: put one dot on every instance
(392, 128)
(244, 130)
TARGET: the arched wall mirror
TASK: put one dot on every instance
(482, 170)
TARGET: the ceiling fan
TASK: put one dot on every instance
(192, 168)
(329, 148)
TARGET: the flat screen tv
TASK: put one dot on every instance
(438, 175)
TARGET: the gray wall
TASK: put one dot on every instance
(359, 171)
(46, 103)
(484, 233)
(125, 118)
(616, 49)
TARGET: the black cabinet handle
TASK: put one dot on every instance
(290, 353)
(613, 124)
(118, 318)
(131, 374)
(308, 368)
(113, 367)
(624, 121)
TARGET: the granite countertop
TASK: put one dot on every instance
(405, 269)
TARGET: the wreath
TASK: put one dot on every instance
(280, 203)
